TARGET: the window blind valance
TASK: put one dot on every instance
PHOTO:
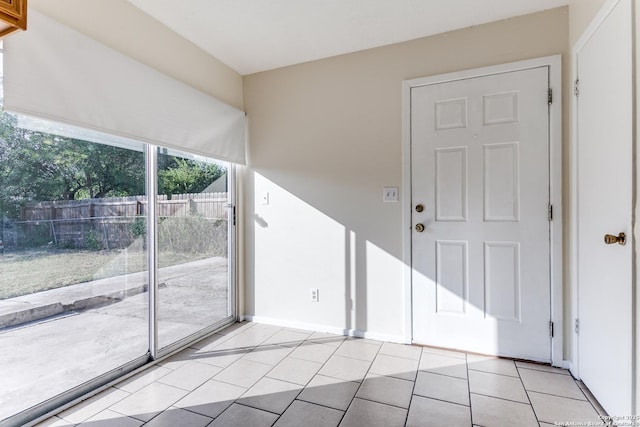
(56, 73)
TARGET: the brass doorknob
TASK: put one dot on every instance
(620, 239)
(419, 228)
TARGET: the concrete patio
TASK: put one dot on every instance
(64, 337)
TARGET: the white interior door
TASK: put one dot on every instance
(604, 195)
(480, 170)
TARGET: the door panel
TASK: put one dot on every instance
(194, 262)
(604, 155)
(480, 167)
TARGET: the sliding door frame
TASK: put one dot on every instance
(59, 403)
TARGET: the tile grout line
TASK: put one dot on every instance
(253, 348)
(443, 352)
(227, 383)
(303, 387)
(355, 358)
(394, 377)
(396, 357)
(526, 392)
(284, 381)
(125, 415)
(400, 357)
(503, 399)
(308, 382)
(341, 379)
(443, 375)
(266, 375)
(235, 402)
(560, 396)
(445, 401)
(466, 362)
(318, 404)
(543, 370)
(194, 412)
(188, 393)
(164, 410)
(108, 407)
(159, 380)
(494, 373)
(360, 386)
(413, 389)
(385, 404)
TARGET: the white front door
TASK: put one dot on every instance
(480, 188)
(604, 196)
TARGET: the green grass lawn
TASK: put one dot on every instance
(27, 272)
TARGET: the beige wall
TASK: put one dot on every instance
(581, 13)
(326, 137)
(123, 27)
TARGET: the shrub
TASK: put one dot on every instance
(93, 241)
(34, 235)
(139, 227)
(193, 234)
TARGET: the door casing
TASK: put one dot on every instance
(555, 183)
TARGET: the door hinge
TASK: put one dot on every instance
(550, 213)
(577, 327)
(550, 96)
(576, 87)
(551, 329)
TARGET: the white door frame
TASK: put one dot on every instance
(555, 185)
(606, 9)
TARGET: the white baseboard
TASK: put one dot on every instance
(326, 329)
(572, 368)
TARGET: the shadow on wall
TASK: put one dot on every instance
(294, 247)
(312, 234)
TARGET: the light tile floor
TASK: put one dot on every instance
(259, 375)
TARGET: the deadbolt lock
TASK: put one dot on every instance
(620, 239)
(419, 228)
(419, 208)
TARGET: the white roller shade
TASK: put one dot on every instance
(54, 72)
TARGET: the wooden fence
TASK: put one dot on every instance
(107, 222)
(208, 205)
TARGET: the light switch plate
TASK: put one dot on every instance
(390, 194)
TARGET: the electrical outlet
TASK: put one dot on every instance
(390, 194)
(313, 293)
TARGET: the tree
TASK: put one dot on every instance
(33, 166)
(37, 166)
(187, 176)
(107, 171)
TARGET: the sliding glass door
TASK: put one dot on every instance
(194, 209)
(94, 282)
(73, 273)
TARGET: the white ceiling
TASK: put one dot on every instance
(257, 35)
